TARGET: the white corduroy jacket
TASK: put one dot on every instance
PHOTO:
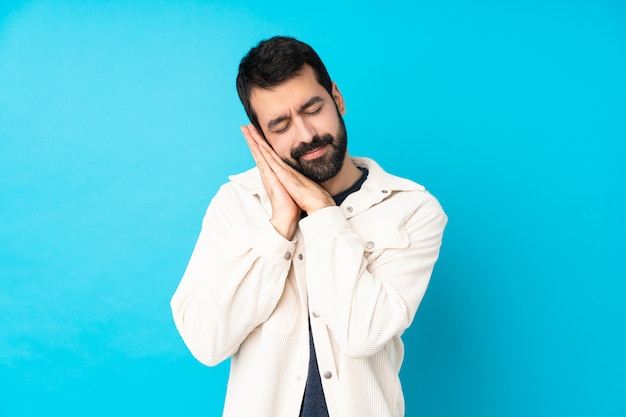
(359, 271)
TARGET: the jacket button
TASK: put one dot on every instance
(328, 374)
(349, 209)
(315, 314)
(369, 245)
(287, 256)
(300, 257)
(384, 191)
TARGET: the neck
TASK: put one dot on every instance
(347, 176)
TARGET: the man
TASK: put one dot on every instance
(310, 266)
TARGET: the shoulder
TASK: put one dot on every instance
(250, 179)
(239, 189)
(240, 200)
(400, 195)
(241, 184)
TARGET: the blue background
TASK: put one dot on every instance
(119, 120)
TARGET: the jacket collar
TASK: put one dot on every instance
(377, 179)
(378, 186)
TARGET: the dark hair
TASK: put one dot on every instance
(272, 62)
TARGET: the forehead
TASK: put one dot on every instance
(287, 97)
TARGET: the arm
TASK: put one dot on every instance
(367, 296)
(234, 278)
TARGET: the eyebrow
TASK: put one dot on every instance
(313, 100)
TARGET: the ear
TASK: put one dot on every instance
(341, 106)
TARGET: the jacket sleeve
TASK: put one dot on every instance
(367, 286)
(234, 279)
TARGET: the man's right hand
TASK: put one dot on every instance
(285, 212)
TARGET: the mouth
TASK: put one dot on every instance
(315, 153)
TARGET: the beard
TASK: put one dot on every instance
(326, 166)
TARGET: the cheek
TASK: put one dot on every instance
(331, 121)
(280, 146)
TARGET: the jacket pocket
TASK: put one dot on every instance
(381, 235)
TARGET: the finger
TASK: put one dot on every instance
(282, 171)
(254, 135)
(264, 146)
(256, 143)
(265, 149)
(280, 168)
(245, 130)
(253, 144)
(260, 146)
(267, 175)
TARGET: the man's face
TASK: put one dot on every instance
(303, 124)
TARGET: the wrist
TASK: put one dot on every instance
(327, 201)
(286, 228)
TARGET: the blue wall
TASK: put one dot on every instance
(119, 120)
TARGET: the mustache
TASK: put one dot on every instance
(316, 142)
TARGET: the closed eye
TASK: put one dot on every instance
(312, 106)
(314, 111)
(282, 129)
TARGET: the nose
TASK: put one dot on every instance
(304, 130)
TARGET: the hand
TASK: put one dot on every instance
(285, 212)
(279, 178)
